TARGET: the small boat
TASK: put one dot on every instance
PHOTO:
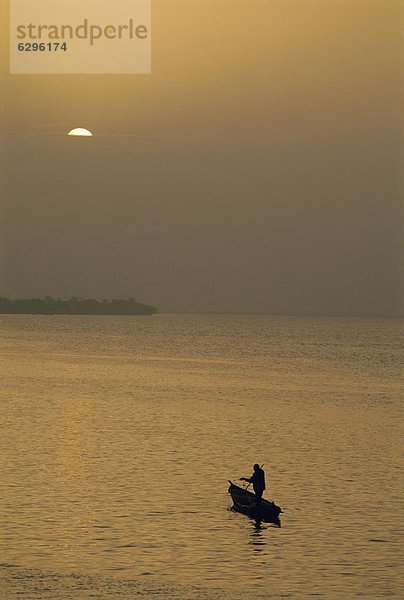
(244, 502)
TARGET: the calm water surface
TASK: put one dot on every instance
(118, 436)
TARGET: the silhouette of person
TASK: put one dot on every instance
(258, 481)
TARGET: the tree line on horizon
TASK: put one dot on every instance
(74, 306)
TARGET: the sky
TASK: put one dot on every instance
(256, 170)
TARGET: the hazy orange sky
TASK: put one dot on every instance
(256, 169)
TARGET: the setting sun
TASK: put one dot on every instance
(79, 131)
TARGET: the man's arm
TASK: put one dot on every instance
(249, 479)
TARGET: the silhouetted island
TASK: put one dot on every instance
(73, 306)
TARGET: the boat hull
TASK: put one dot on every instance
(245, 503)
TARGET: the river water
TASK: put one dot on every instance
(119, 435)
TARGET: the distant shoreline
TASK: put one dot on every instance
(74, 306)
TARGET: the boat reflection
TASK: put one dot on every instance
(257, 538)
(257, 535)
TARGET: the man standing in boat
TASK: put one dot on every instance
(258, 481)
